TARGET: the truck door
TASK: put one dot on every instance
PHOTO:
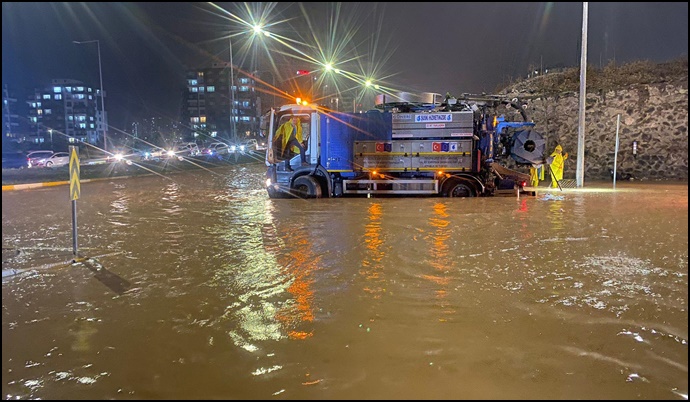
(276, 152)
(269, 120)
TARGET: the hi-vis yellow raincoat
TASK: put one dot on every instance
(557, 165)
(285, 130)
(536, 174)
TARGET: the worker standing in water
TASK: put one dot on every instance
(557, 165)
(536, 173)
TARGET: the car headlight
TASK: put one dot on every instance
(241, 147)
(171, 153)
(232, 148)
(268, 182)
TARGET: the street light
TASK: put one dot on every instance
(100, 73)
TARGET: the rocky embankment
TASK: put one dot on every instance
(651, 99)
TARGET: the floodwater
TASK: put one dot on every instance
(201, 287)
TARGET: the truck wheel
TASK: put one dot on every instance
(273, 193)
(460, 189)
(307, 187)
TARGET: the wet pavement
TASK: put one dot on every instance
(198, 286)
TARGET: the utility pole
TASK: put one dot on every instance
(580, 171)
(232, 95)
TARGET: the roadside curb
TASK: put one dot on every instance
(13, 187)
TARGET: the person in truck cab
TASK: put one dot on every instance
(290, 133)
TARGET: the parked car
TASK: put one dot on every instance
(153, 154)
(55, 160)
(185, 149)
(251, 145)
(216, 149)
(34, 157)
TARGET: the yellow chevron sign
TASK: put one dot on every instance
(74, 186)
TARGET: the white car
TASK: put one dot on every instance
(251, 145)
(33, 158)
(186, 149)
(216, 149)
(55, 160)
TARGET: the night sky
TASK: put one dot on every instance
(420, 46)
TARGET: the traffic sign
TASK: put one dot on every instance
(74, 186)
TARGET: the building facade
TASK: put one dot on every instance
(215, 110)
(10, 119)
(66, 112)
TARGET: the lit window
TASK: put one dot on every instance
(39, 111)
(245, 118)
(46, 96)
(210, 88)
(193, 82)
(80, 89)
(58, 97)
(201, 89)
(202, 119)
(70, 117)
(244, 80)
(49, 111)
(193, 89)
(194, 119)
(68, 89)
(244, 88)
(91, 125)
(82, 125)
(57, 90)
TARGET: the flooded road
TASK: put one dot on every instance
(201, 287)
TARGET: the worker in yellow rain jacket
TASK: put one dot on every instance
(290, 133)
(536, 173)
(557, 165)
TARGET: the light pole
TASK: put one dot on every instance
(100, 73)
(580, 168)
(232, 94)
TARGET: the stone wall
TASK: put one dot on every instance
(654, 115)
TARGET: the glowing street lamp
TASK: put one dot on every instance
(100, 73)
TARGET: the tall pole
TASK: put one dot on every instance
(580, 172)
(615, 154)
(232, 95)
(100, 73)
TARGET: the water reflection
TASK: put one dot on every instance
(371, 266)
(439, 256)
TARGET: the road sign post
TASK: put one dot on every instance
(74, 192)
